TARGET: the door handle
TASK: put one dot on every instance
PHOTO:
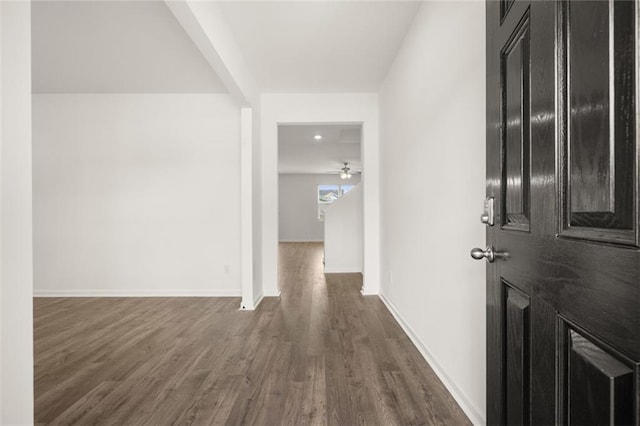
(489, 253)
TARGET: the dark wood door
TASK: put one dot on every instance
(563, 306)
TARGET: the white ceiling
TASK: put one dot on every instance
(126, 46)
(319, 46)
(299, 152)
(115, 47)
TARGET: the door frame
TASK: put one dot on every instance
(319, 108)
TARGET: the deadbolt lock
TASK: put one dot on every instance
(488, 212)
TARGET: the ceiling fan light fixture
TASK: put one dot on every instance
(346, 172)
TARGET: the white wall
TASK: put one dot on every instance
(298, 205)
(433, 129)
(205, 24)
(112, 47)
(361, 108)
(16, 267)
(136, 194)
(343, 236)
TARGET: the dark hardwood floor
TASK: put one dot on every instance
(320, 354)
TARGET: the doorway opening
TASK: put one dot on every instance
(320, 191)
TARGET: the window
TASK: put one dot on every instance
(327, 194)
(346, 188)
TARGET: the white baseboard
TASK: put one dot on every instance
(136, 293)
(306, 240)
(257, 300)
(476, 417)
(251, 305)
(347, 270)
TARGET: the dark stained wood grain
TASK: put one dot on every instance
(597, 287)
(494, 298)
(579, 262)
(543, 363)
(600, 136)
(591, 177)
(600, 387)
(505, 5)
(514, 126)
(322, 354)
(517, 357)
(516, 130)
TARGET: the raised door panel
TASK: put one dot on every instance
(517, 356)
(599, 386)
(505, 6)
(594, 285)
(599, 121)
(515, 88)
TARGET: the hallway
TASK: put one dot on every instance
(321, 354)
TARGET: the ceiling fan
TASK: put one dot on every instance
(346, 172)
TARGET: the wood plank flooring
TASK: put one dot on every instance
(321, 354)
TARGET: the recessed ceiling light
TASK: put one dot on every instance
(317, 137)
